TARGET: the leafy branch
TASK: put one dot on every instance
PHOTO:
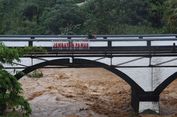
(10, 88)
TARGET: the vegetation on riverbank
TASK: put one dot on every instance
(85, 16)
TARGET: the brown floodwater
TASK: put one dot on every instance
(87, 92)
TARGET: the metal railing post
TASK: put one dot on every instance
(109, 48)
(109, 44)
(30, 43)
(174, 47)
(149, 48)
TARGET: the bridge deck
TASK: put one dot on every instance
(108, 52)
(101, 46)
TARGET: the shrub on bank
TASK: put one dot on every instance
(35, 74)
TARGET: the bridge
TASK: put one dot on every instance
(148, 63)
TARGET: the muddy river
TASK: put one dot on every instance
(92, 92)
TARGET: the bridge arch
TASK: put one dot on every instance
(165, 83)
(81, 63)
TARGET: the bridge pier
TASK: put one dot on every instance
(144, 101)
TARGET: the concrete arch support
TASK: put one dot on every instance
(165, 83)
(81, 63)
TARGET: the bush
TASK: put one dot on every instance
(35, 74)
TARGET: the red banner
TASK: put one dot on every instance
(71, 45)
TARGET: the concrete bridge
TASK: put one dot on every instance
(147, 63)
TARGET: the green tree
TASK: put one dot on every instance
(62, 19)
(103, 16)
(93, 16)
(170, 16)
(10, 88)
(100, 15)
(156, 12)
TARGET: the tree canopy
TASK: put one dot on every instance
(88, 16)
